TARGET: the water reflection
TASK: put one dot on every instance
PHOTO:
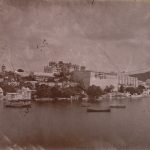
(69, 126)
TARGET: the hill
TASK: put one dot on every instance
(142, 76)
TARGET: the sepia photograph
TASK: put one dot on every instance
(74, 74)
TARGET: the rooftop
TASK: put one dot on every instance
(44, 74)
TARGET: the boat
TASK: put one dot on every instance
(136, 96)
(117, 106)
(44, 99)
(17, 104)
(85, 99)
(98, 109)
(85, 104)
(99, 99)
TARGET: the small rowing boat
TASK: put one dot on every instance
(17, 104)
(98, 109)
(117, 106)
(85, 105)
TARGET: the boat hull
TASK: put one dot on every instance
(117, 106)
(44, 100)
(98, 110)
(85, 105)
(17, 104)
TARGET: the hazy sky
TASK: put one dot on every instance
(104, 36)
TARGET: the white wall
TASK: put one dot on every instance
(104, 82)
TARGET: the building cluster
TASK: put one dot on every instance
(70, 75)
(58, 67)
(102, 79)
(54, 74)
(22, 94)
(7, 76)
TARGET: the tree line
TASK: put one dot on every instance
(56, 91)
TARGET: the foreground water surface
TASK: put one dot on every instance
(69, 126)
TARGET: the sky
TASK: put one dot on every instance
(105, 36)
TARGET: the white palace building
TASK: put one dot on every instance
(102, 79)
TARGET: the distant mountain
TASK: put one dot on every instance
(142, 76)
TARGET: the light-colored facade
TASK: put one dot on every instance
(82, 77)
(51, 69)
(42, 76)
(23, 94)
(57, 67)
(1, 92)
(128, 81)
(102, 79)
(148, 82)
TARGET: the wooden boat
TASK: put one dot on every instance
(99, 99)
(85, 104)
(98, 109)
(136, 96)
(17, 104)
(85, 99)
(117, 106)
(44, 99)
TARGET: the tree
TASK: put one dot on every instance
(55, 92)
(94, 91)
(131, 90)
(43, 91)
(68, 92)
(141, 88)
(109, 89)
(79, 89)
(29, 85)
(121, 89)
(135, 90)
(8, 88)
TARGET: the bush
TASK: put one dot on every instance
(94, 91)
(121, 89)
(109, 89)
(8, 88)
(43, 91)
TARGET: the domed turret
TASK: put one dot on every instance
(1, 92)
(3, 68)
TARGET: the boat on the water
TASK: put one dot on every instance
(98, 109)
(136, 96)
(44, 99)
(85, 99)
(85, 104)
(17, 104)
(117, 106)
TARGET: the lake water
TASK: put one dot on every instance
(69, 126)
